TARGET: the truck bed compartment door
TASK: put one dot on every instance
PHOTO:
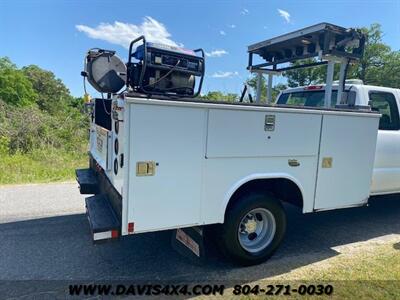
(346, 160)
(167, 145)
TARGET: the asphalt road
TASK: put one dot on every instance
(44, 235)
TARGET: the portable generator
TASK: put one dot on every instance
(164, 70)
(157, 70)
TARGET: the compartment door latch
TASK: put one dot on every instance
(269, 124)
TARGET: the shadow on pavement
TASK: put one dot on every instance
(60, 248)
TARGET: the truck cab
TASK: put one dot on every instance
(386, 173)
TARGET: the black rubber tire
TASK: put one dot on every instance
(227, 237)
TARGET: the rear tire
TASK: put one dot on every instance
(253, 229)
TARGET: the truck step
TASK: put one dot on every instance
(103, 221)
(87, 180)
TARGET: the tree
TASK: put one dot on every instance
(305, 76)
(379, 65)
(15, 88)
(390, 72)
(26, 98)
(277, 89)
(219, 96)
(5, 62)
(374, 56)
(53, 95)
(78, 103)
(252, 82)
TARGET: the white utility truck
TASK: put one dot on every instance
(386, 171)
(162, 159)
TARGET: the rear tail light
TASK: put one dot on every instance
(131, 227)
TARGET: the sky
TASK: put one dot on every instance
(56, 34)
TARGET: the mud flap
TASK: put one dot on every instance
(190, 243)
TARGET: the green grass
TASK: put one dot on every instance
(41, 166)
(371, 272)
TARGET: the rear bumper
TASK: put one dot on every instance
(105, 207)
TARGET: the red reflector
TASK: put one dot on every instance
(131, 227)
(313, 87)
(114, 234)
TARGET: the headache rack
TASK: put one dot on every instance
(328, 43)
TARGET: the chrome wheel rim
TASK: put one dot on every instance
(256, 230)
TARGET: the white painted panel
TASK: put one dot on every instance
(385, 180)
(174, 137)
(117, 176)
(233, 133)
(351, 142)
(387, 162)
(224, 175)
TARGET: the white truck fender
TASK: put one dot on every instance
(251, 177)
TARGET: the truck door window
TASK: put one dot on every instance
(385, 103)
